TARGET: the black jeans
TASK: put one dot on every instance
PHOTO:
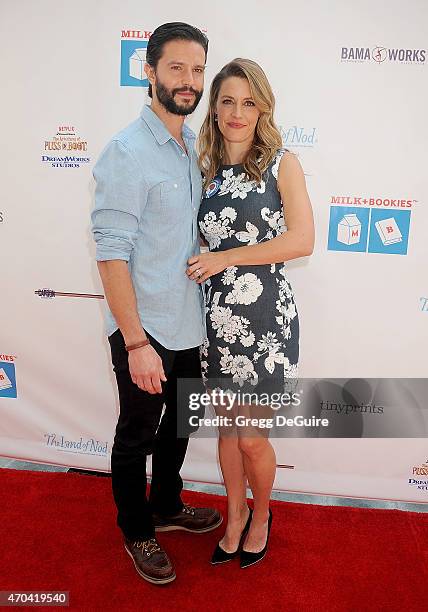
(138, 434)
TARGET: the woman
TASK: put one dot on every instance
(251, 185)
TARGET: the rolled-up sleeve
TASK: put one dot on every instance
(120, 198)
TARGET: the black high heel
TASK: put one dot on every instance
(220, 555)
(249, 558)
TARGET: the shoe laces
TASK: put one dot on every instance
(188, 509)
(148, 546)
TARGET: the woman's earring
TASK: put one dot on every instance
(215, 117)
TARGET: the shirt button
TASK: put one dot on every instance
(183, 155)
(175, 185)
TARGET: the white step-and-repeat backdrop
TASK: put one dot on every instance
(350, 80)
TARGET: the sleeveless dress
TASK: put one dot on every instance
(252, 323)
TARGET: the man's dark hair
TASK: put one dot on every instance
(172, 31)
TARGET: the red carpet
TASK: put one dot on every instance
(59, 533)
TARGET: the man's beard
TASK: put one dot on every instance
(166, 98)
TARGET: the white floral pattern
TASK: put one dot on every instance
(252, 321)
(237, 186)
(250, 236)
(218, 229)
(268, 343)
(275, 167)
(275, 221)
(229, 326)
(229, 275)
(240, 366)
(247, 288)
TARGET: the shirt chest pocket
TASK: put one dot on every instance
(175, 198)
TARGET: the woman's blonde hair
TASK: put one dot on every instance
(267, 138)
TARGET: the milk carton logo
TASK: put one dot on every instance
(349, 229)
(365, 230)
(133, 50)
(136, 64)
(7, 376)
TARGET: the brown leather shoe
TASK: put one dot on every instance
(150, 560)
(195, 520)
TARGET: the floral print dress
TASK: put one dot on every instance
(251, 317)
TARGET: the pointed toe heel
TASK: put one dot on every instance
(250, 558)
(221, 556)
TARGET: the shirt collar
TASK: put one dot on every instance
(158, 128)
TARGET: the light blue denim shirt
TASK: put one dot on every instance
(147, 197)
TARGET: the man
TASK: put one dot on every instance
(145, 226)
